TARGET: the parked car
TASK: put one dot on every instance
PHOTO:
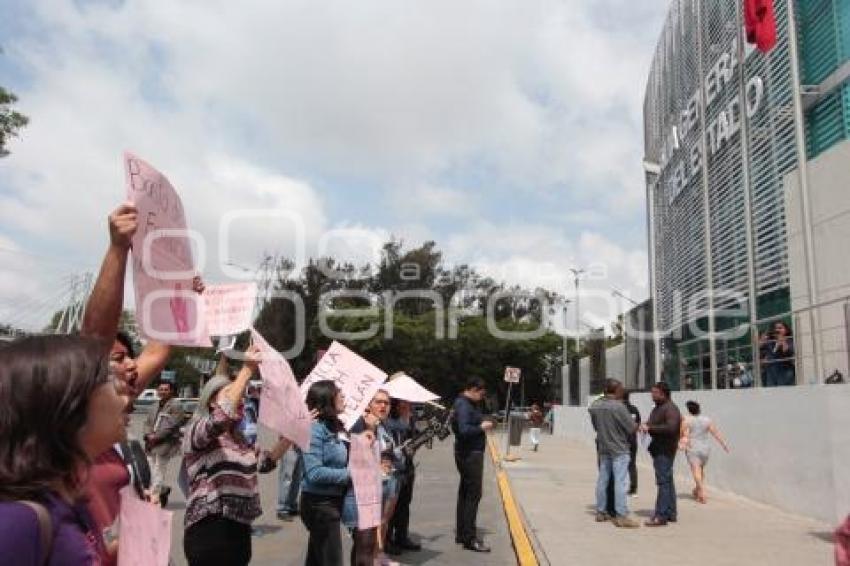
(147, 398)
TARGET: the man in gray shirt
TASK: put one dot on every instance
(613, 425)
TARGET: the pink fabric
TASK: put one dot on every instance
(364, 462)
(167, 309)
(842, 543)
(358, 379)
(282, 407)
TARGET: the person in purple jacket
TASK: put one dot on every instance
(60, 409)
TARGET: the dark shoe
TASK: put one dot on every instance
(656, 522)
(672, 520)
(408, 544)
(285, 516)
(163, 496)
(476, 546)
(392, 549)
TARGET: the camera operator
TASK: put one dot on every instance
(401, 426)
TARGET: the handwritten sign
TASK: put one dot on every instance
(355, 377)
(229, 309)
(282, 407)
(167, 309)
(364, 463)
(145, 536)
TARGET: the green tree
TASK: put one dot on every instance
(10, 119)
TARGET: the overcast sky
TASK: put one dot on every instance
(509, 132)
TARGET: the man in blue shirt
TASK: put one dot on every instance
(470, 437)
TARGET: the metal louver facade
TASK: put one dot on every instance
(719, 136)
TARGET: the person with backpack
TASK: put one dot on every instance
(60, 410)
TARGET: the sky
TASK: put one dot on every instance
(509, 132)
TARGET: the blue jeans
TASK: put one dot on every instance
(665, 503)
(289, 481)
(617, 464)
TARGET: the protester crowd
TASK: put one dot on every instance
(67, 464)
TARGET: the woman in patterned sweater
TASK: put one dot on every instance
(222, 468)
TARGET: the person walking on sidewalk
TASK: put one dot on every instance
(696, 443)
(663, 426)
(614, 426)
(535, 418)
(470, 437)
(633, 444)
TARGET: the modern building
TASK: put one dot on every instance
(729, 134)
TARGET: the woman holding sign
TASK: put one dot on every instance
(223, 499)
(326, 476)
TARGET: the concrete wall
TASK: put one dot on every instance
(829, 197)
(790, 446)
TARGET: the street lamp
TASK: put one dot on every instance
(577, 274)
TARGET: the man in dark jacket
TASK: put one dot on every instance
(663, 426)
(470, 438)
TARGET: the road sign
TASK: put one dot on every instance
(512, 374)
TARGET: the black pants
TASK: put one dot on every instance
(400, 521)
(471, 468)
(216, 541)
(321, 514)
(365, 547)
(633, 478)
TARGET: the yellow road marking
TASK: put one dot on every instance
(522, 545)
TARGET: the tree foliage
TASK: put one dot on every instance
(11, 121)
(413, 334)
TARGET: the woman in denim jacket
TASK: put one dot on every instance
(326, 476)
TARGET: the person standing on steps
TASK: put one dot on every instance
(470, 437)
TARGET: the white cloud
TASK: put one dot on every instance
(274, 106)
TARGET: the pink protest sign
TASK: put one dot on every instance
(167, 309)
(282, 407)
(229, 309)
(144, 538)
(364, 463)
(357, 378)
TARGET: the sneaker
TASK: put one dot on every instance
(602, 517)
(633, 495)
(626, 522)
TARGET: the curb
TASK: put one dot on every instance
(519, 536)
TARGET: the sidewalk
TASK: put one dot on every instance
(555, 488)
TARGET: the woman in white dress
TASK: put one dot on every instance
(695, 441)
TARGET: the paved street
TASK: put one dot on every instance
(432, 519)
(555, 488)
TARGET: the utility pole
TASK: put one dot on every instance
(577, 274)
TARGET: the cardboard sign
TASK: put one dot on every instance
(229, 309)
(364, 462)
(355, 377)
(144, 538)
(282, 407)
(167, 309)
(512, 374)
